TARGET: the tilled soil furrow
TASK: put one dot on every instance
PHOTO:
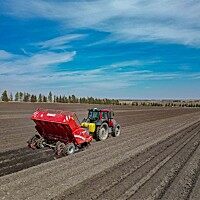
(7, 155)
(127, 132)
(134, 116)
(184, 182)
(8, 162)
(21, 155)
(24, 162)
(29, 181)
(13, 127)
(14, 123)
(12, 139)
(195, 192)
(153, 180)
(147, 117)
(141, 189)
(52, 189)
(12, 157)
(52, 178)
(34, 160)
(112, 182)
(20, 166)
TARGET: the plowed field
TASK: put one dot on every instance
(157, 156)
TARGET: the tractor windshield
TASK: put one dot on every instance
(93, 115)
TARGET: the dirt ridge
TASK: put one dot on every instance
(133, 171)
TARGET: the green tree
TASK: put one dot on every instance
(70, 99)
(26, 97)
(50, 97)
(11, 97)
(74, 99)
(4, 96)
(65, 99)
(40, 98)
(33, 98)
(54, 98)
(57, 99)
(60, 99)
(20, 96)
(17, 96)
(44, 98)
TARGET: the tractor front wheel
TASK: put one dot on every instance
(102, 132)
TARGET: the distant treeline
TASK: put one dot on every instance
(26, 97)
(170, 104)
(50, 98)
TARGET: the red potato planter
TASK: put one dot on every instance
(59, 130)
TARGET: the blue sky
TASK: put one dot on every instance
(116, 49)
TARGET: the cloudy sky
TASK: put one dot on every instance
(115, 49)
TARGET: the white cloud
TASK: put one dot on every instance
(59, 42)
(35, 62)
(49, 58)
(175, 21)
(4, 55)
(33, 74)
(133, 63)
(107, 78)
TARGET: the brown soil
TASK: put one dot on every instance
(157, 156)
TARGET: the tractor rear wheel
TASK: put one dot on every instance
(69, 149)
(102, 132)
(116, 131)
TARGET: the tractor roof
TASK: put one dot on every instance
(99, 110)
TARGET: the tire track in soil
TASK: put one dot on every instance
(182, 185)
(25, 160)
(134, 173)
(178, 159)
(195, 192)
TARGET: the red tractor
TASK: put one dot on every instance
(62, 130)
(100, 124)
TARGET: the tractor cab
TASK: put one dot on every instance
(93, 115)
(100, 114)
(101, 122)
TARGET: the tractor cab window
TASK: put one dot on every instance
(110, 115)
(93, 115)
(105, 115)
